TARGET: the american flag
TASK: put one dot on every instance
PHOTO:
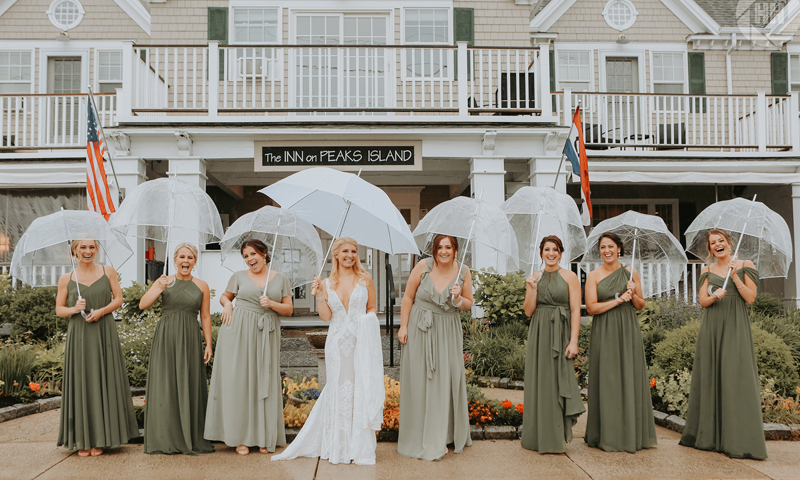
(96, 180)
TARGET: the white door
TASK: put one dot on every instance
(622, 77)
(327, 77)
(63, 110)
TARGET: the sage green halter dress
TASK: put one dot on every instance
(433, 392)
(177, 385)
(552, 395)
(724, 398)
(245, 401)
(96, 405)
(620, 408)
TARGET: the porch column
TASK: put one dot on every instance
(543, 172)
(130, 174)
(795, 291)
(487, 179)
(192, 170)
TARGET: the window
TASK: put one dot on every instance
(429, 27)
(254, 26)
(794, 73)
(620, 14)
(15, 72)
(575, 71)
(668, 78)
(65, 14)
(109, 71)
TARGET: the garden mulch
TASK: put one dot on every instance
(28, 450)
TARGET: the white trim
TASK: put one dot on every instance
(693, 177)
(231, 26)
(450, 54)
(784, 17)
(45, 54)
(751, 40)
(96, 69)
(685, 58)
(550, 15)
(33, 63)
(5, 5)
(137, 12)
(49, 175)
(631, 7)
(622, 49)
(694, 17)
(51, 14)
(639, 54)
(556, 51)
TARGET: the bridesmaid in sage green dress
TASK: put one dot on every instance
(96, 405)
(552, 397)
(245, 401)
(433, 397)
(724, 398)
(620, 409)
(177, 385)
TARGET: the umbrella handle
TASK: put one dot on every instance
(274, 244)
(738, 244)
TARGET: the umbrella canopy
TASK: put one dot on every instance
(344, 205)
(658, 256)
(294, 244)
(43, 252)
(765, 236)
(167, 209)
(538, 212)
(493, 244)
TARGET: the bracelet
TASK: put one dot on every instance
(739, 285)
(459, 302)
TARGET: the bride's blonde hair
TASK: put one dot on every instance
(333, 278)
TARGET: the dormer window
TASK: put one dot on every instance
(620, 14)
(65, 14)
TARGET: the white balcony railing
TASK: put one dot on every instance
(340, 79)
(628, 121)
(50, 121)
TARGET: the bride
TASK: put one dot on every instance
(341, 427)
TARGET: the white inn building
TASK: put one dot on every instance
(685, 102)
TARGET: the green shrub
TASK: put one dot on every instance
(136, 340)
(34, 310)
(507, 414)
(501, 296)
(495, 355)
(581, 364)
(130, 301)
(513, 364)
(138, 410)
(673, 391)
(49, 366)
(668, 313)
(767, 304)
(652, 337)
(773, 357)
(518, 330)
(585, 337)
(474, 393)
(16, 364)
(786, 326)
(6, 297)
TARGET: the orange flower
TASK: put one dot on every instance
(34, 386)
(652, 383)
(519, 408)
(506, 403)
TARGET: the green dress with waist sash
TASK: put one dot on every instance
(724, 398)
(620, 417)
(552, 395)
(245, 401)
(433, 392)
(96, 405)
(177, 385)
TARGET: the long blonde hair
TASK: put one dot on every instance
(361, 274)
(723, 234)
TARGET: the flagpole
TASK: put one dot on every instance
(100, 129)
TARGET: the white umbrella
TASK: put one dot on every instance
(344, 205)
(538, 212)
(171, 211)
(296, 248)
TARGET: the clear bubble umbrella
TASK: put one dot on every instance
(43, 252)
(649, 246)
(538, 212)
(486, 239)
(295, 247)
(171, 211)
(760, 235)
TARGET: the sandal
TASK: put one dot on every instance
(243, 450)
(96, 452)
(263, 450)
(83, 453)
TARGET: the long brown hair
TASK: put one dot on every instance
(257, 245)
(723, 234)
(435, 246)
(333, 278)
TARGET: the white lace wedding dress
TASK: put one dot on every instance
(341, 427)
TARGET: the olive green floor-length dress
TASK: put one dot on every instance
(433, 393)
(620, 415)
(177, 386)
(724, 398)
(552, 395)
(245, 401)
(96, 404)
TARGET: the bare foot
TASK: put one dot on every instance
(243, 450)
(263, 450)
(83, 453)
(96, 452)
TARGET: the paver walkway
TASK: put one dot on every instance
(28, 450)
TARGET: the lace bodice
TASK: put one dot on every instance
(344, 322)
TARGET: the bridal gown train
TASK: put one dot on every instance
(341, 427)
